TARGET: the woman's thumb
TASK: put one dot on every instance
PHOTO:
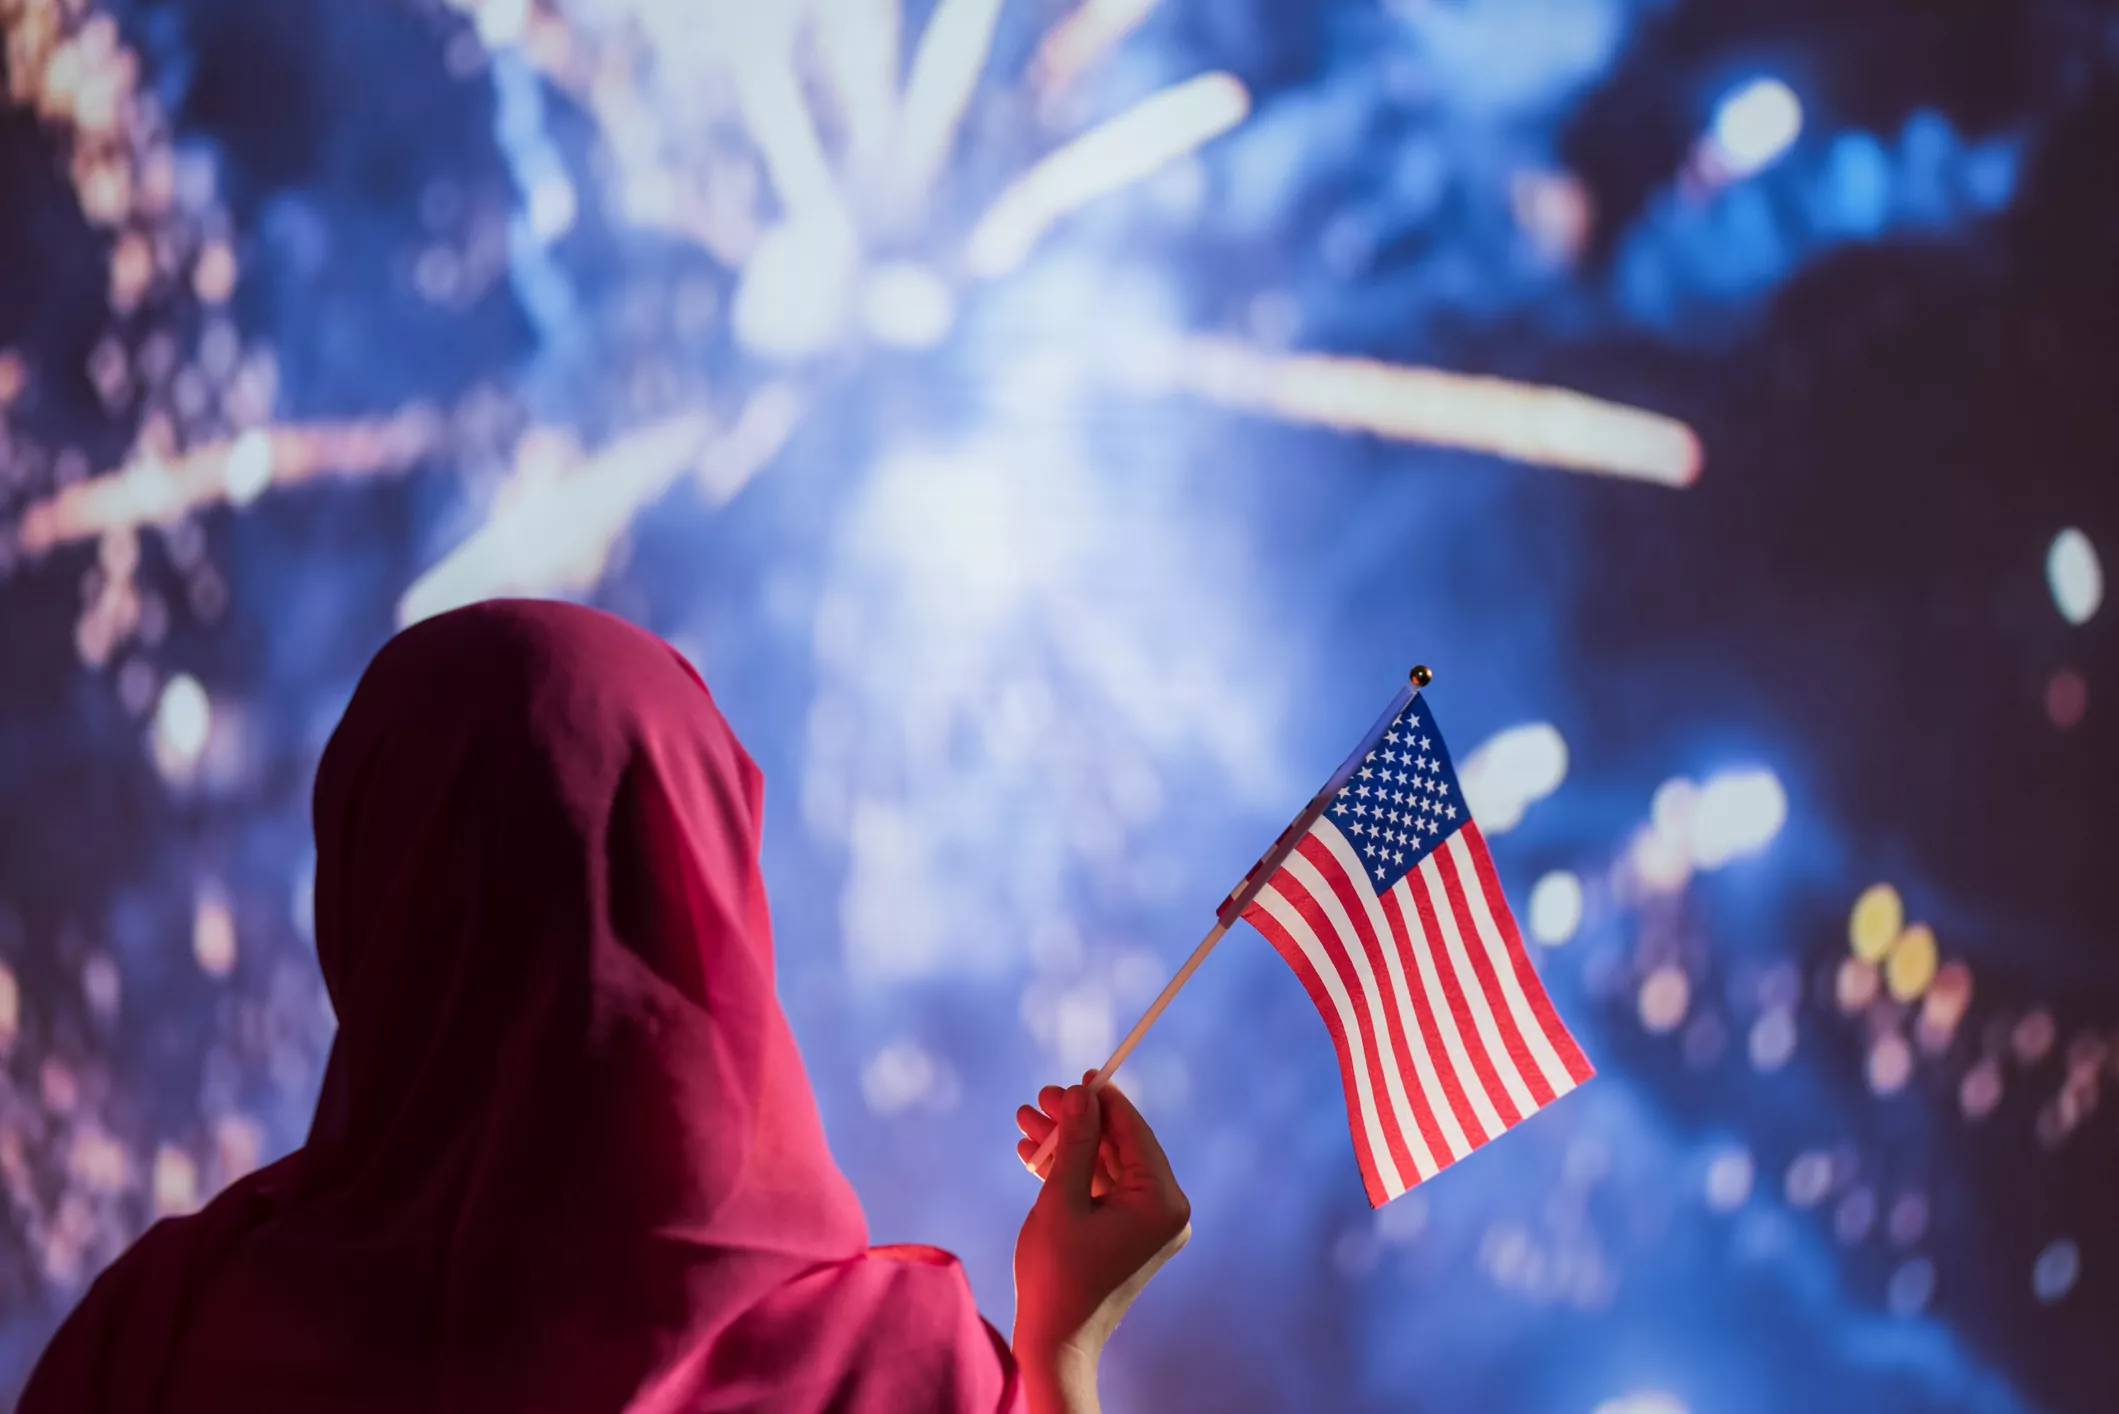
(1080, 1129)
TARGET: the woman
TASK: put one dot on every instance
(566, 1158)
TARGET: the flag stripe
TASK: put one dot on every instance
(1270, 914)
(1535, 1057)
(1416, 1118)
(1481, 1085)
(1437, 1077)
(1466, 1129)
(1575, 1065)
(1493, 1051)
(1518, 1060)
(1333, 934)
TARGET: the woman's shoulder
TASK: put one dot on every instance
(892, 1328)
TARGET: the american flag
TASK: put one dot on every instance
(1388, 909)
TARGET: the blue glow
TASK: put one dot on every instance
(1039, 644)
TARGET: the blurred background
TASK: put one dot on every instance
(1053, 427)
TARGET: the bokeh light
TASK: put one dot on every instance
(2067, 698)
(2075, 575)
(1729, 1178)
(1910, 965)
(1510, 771)
(1879, 916)
(2053, 1275)
(1911, 1287)
(1736, 814)
(213, 941)
(183, 718)
(1772, 1039)
(1555, 907)
(1890, 1063)
(1754, 126)
(1665, 993)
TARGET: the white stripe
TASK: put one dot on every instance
(1482, 1012)
(1534, 1036)
(1285, 913)
(1312, 878)
(1445, 1019)
(1328, 835)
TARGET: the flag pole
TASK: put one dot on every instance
(1241, 896)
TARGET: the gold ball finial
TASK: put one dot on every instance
(1421, 676)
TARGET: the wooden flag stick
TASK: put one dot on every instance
(1240, 898)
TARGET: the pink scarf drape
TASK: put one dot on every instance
(566, 1158)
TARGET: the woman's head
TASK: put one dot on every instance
(540, 918)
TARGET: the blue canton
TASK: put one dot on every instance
(1402, 801)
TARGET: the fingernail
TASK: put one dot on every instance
(1077, 1102)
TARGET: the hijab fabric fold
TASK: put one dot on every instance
(566, 1157)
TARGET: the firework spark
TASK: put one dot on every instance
(1074, 45)
(1527, 422)
(154, 489)
(805, 274)
(1115, 154)
(558, 532)
(945, 71)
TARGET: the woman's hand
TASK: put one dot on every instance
(1109, 1216)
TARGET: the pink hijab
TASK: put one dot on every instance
(566, 1158)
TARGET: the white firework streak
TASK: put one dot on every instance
(801, 277)
(959, 599)
(158, 489)
(710, 135)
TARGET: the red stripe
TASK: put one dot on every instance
(1519, 1054)
(1335, 948)
(1292, 954)
(1445, 1069)
(1326, 863)
(1577, 1065)
(1453, 990)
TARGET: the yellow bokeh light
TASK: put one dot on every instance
(1878, 916)
(1911, 965)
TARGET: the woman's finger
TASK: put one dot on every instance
(1049, 1098)
(1131, 1138)
(1032, 1122)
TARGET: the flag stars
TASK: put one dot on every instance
(1402, 800)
